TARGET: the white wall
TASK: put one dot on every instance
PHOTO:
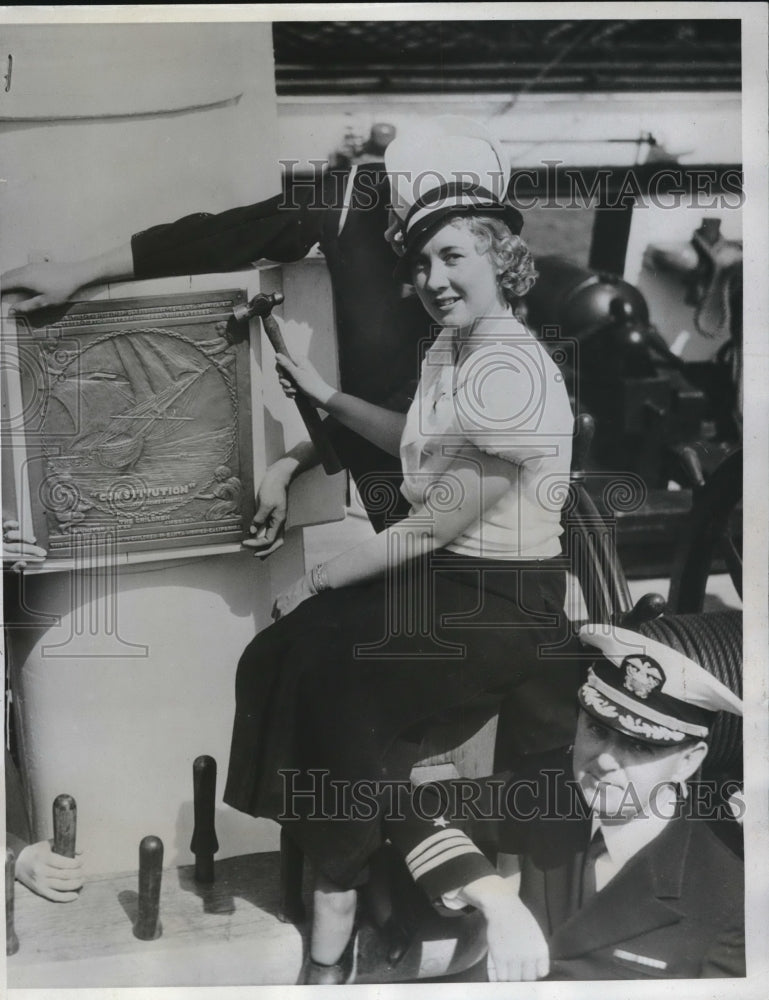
(110, 128)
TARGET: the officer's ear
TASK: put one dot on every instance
(690, 761)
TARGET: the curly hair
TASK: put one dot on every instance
(509, 253)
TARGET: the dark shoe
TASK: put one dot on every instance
(315, 974)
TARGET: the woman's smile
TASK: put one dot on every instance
(447, 302)
(456, 284)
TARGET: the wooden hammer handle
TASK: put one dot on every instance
(310, 416)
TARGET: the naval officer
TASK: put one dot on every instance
(616, 873)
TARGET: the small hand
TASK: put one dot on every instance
(296, 594)
(51, 284)
(18, 549)
(303, 375)
(50, 875)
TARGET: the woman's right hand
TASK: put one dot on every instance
(50, 284)
(302, 374)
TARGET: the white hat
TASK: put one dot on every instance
(445, 166)
(647, 690)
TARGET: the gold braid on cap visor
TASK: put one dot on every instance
(670, 725)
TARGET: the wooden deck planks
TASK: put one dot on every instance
(226, 934)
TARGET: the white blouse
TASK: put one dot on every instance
(507, 398)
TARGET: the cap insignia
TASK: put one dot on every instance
(643, 675)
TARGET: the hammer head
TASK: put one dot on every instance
(260, 305)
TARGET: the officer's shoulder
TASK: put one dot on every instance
(710, 843)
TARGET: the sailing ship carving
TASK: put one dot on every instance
(120, 445)
(155, 376)
(140, 428)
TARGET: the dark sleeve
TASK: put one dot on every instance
(449, 830)
(432, 836)
(282, 228)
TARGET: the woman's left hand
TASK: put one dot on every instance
(296, 594)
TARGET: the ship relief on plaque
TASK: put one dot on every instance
(137, 422)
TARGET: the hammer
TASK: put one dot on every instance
(262, 305)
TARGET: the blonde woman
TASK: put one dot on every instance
(451, 608)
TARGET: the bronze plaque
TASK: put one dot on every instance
(137, 421)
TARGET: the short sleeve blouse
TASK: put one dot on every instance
(507, 399)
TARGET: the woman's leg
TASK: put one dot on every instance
(332, 920)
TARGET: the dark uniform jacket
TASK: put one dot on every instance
(674, 910)
(381, 334)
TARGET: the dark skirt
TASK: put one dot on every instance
(341, 690)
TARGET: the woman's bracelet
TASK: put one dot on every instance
(319, 578)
